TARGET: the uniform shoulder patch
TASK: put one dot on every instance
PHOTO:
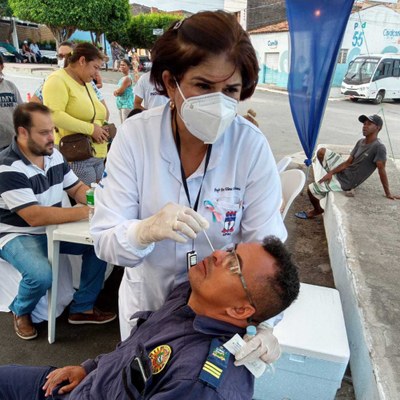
(159, 358)
(215, 365)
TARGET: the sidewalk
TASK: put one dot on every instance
(363, 240)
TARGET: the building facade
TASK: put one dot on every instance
(371, 30)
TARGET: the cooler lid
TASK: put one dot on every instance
(314, 325)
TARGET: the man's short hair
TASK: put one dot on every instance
(276, 293)
(23, 114)
(66, 43)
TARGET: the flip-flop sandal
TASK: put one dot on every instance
(302, 215)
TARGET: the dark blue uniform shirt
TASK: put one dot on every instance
(188, 336)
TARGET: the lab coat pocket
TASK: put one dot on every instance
(131, 292)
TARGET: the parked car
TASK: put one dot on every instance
(7, 56)
(144, 64)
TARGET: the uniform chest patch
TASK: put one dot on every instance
(159, 358)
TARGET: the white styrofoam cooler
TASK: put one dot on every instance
(315, 350)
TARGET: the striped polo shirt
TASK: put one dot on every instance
(24, 184)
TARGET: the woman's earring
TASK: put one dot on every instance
(171, 105)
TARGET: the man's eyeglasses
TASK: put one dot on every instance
(235, 268)
(62, 56)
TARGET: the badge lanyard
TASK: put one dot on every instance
(191, 256)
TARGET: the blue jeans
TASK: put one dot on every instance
(28, 254)
(18, 382)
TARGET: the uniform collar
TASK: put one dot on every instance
(211, 326)
(201, 323)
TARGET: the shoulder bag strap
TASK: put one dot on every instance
(90, 97)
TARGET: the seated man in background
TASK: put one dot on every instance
(176, 352)
(344, 175)
(34, 48)
(33, 176)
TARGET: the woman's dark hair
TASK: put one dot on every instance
(1, 60)
(86, 50)
(191, 41)
(127, 62)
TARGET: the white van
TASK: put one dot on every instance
(375, 77)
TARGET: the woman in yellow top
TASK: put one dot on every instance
(76, 108)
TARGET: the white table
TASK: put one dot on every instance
(74, 232)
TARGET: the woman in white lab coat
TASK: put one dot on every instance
(191, 165)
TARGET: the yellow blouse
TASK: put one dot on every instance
(72, 109)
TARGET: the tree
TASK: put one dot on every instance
(64, 17)
(105, 17)
(60, 16)
(141, 28)
(5, 11)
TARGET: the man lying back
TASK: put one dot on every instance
(176, 352)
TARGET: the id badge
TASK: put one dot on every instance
(191, 259)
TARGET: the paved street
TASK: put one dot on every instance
(340, 124)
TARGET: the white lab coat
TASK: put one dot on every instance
(143, 174)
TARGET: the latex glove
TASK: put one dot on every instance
(264, 345)
(174, 222)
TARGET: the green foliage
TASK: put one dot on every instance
(63, 17)
(46, 44)
(77, 41)
(141, 28)
(107, 17)
(5, 9)
(51, 12)
(59, 15)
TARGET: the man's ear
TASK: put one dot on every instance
(22, 132)
(169, 83)
(241, 313)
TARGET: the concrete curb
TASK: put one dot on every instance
(362, 235)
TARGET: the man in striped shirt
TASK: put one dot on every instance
(33, 176)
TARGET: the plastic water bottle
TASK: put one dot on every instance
(256, 367)
(251, 330)
(90, 199)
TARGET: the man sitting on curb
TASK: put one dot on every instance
(33, 176)
(367, 155)
(176, 352)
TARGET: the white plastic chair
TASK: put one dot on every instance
(292, 182)
(283, 163)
